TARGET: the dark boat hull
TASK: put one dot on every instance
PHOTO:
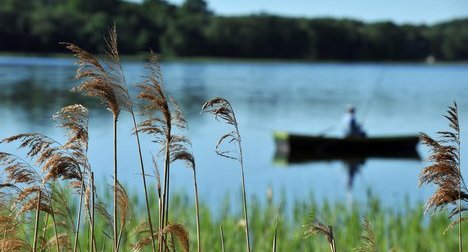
(301, 148)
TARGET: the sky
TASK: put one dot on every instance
(399, 11)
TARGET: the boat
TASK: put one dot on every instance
(296, 148)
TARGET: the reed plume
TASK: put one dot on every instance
(176, 230)
(10, 240)
(315, 227)
(124, 206)
(368, 239)
(74, 119)
(222, 109)
(31, 195)
(444, 172)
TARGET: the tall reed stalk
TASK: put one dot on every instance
(115, 228)
(221, 108)
(78, 221)
(93, 241)
(36, 225)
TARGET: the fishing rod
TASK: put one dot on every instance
(370, 102)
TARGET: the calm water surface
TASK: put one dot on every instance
(297, 97)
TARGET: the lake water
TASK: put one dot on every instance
(309, 98)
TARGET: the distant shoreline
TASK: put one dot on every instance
(144, 56)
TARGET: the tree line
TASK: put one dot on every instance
(192, 30)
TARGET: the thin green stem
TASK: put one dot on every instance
(55, 232)
(92, 214)
(165, 196)
(167, 163)
(221, 233)
(460, 238)
(36, 226)
(77, 231)
(244, 197)
(197, 209)
(44, 229)
(115, 184)
(53, 218)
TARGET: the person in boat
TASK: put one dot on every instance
(352, 127)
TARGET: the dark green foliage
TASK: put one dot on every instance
(191, 29)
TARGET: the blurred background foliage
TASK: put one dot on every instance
(192, 30)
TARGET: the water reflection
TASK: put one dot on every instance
(352, 168)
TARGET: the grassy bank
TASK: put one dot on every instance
(395, 230)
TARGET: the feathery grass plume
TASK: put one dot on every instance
(40, 146)
(124, 207)
(445, 171)
(315, 227)
(222, 109)
(17, 170)
(175, 230)
(10, 240)
(178, 231)
(14, 244)
(74, 119)
(30, 184)
(368, 239)
(105, 81)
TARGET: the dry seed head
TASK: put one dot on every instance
(444, 168)
(123, 203)
(14, 244)
(179, 231)
(104, 82)
(17, 170)
(156, 105)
